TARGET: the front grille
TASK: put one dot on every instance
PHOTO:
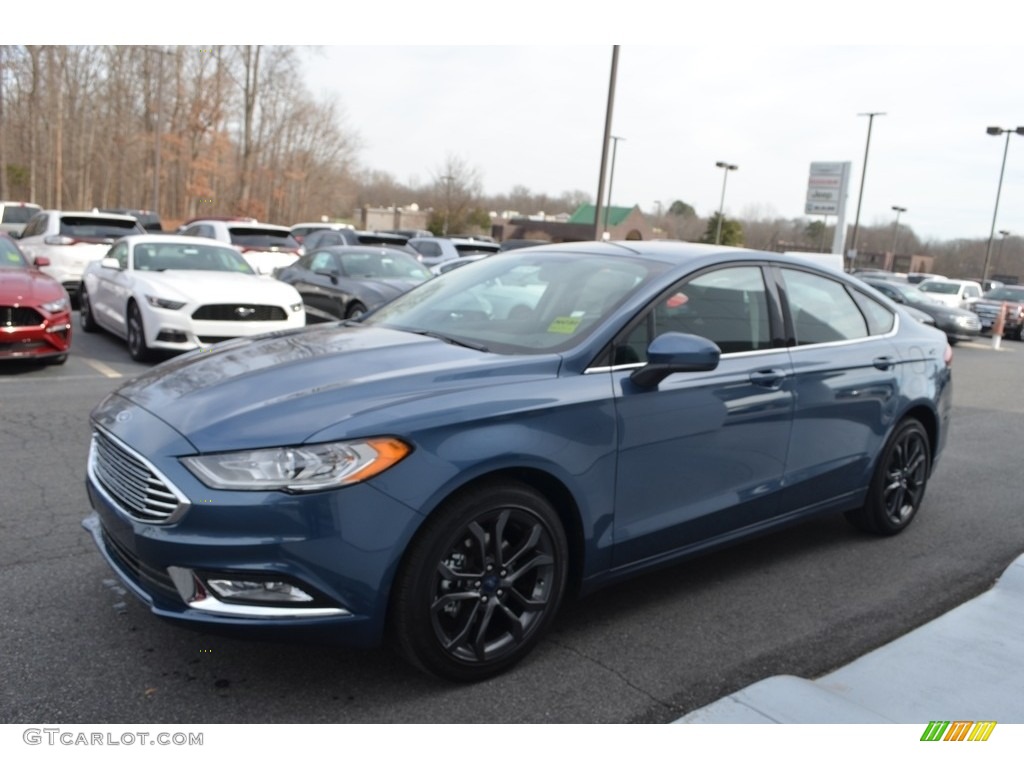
(132, 482)
(240, 312)
(19, 317)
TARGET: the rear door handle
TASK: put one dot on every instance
(884, 363)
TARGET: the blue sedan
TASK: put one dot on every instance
(446, 470)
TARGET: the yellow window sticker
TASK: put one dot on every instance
(564, 325)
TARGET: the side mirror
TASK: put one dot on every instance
(109, 262)
(40, 261)
(676, 353)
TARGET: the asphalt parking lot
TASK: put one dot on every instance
(801, 602)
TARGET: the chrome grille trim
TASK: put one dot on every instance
(132, 483)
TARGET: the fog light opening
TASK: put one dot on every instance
(269, 591)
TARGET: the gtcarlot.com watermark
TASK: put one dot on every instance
(60, 737)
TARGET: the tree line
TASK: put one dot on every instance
(232, 130)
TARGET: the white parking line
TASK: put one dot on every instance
(103, 368)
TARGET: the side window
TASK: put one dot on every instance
(429, 249)
(821, 309)
(35, 226)
(880, 320)
(119, 252)
(205, 230)
(192, 231)
(727, 306)
(322, 261)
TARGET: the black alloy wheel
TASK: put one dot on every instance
(898, 486)
(482, 582)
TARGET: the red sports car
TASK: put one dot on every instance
(35, 311)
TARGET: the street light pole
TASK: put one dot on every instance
(896, 229)
(721, 204)
(863, 173)
(447, 202)
(997, 131)
(611, 179)
(604, 145)
(999, 254)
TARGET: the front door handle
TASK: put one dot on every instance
(884, 363)
(770, 378)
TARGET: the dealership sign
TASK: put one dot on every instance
(826, 188)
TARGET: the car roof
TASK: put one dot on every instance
(96, 214)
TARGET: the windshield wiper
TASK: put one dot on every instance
(449, 339)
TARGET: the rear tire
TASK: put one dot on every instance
(898, 486)
(481, 583)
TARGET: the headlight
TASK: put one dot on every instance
(298, 467)
(155, 301)
(56, 306)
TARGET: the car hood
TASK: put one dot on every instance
(209, 287)
(284, 388)
(27, 287)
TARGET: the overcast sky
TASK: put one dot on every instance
(534, 116)
(770, 87)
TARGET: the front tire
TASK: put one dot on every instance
(481, 583)
(85, 316)
(137, 346)
(355, 310)
(898, 486)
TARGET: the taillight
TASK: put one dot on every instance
(947, 356)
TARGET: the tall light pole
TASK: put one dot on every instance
(863, 173)
(997, 131)
(611, 179)
(896, 229)
(604, 144)
(721, 204)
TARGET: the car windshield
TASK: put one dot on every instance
(158, 257)
(1006, 293)
(391, 264)
(10, 256)
(258, 237)
(516, 303)
(948, 288)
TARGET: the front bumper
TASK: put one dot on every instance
(340, 547)
(176, 331)
(51, 338)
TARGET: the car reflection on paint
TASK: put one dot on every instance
(445, 471)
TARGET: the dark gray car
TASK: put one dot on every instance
(957, 324)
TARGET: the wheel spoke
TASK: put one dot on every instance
(537, 562)
(468, 622)
(532, 604)
(528, 545)
(480, 641)
(498, 536)
(449, 573)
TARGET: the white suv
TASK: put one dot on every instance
(71, 239)
(265, 246)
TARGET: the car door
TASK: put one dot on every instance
(703, 454)
(107, 299)
(845, 376)
(315, 277)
